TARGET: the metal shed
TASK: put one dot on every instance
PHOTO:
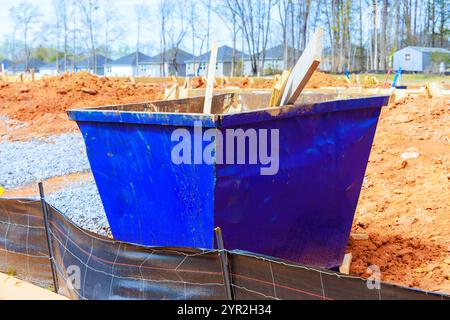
(419, 59)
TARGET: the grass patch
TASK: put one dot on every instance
(418, 79)
(11, 272)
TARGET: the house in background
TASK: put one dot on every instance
(21, 67)
(5, 64)
(199, 66)
(421, 59)
(273, 60)
(133, 64)
(89, 64)
(175, 63)
(52, 68)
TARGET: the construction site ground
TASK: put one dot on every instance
(402, 222)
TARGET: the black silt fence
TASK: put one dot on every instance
(89, 266)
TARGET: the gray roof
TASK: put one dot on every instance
(224, 54)
(277, 52)
(33, 63)
(429, 49)
(181, 56)
(89, 62)
(130, 59)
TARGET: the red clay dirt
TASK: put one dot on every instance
(42, 104)
(319, 79)
(405, 202)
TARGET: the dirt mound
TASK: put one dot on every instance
(404, 205)
(42, 104)
(321, 79)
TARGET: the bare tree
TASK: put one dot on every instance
(112, 30)
(90, 21)
(177, 32)
(62, 8)
(142, 14)
(283, 15)
(254, 17)
(164, 11)
(229, 18)
(25, 15)
(383, 42)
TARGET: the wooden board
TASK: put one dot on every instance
(211, 80)
(345, 266)
(304, 69)
(433, 90)
(278, 89)
(359, 236)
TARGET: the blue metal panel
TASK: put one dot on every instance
(147, 199)
(303, 213)
(168, 119)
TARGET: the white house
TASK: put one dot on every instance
(421, 59)
(175, 63)
(199, 66)
(134, 64)
(19, 67)
(89, 64)
(273, 60)
(51, 68)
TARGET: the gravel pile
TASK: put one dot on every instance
(24, 162)
(81, 203)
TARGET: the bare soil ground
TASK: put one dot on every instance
(405, 202)
(404, 206)
(39, 107)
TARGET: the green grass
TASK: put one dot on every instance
(11, 272)
(406, 79)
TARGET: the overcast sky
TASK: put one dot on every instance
(126, 18)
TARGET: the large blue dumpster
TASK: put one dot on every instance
(299, 206)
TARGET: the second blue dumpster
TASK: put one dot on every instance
(282, 181)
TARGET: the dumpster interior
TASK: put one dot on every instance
(224, 103)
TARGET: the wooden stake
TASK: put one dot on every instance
(359, 236)
(345, 266)
(433, 90)
(375, 80)
(304, 69)
(278, 89)
(210, 83)
(2, 72)
(173, 91)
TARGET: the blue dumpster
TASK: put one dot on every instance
(298, 206)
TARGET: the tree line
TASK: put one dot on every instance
(360, 34)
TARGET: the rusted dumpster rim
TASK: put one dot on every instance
(99, 114)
